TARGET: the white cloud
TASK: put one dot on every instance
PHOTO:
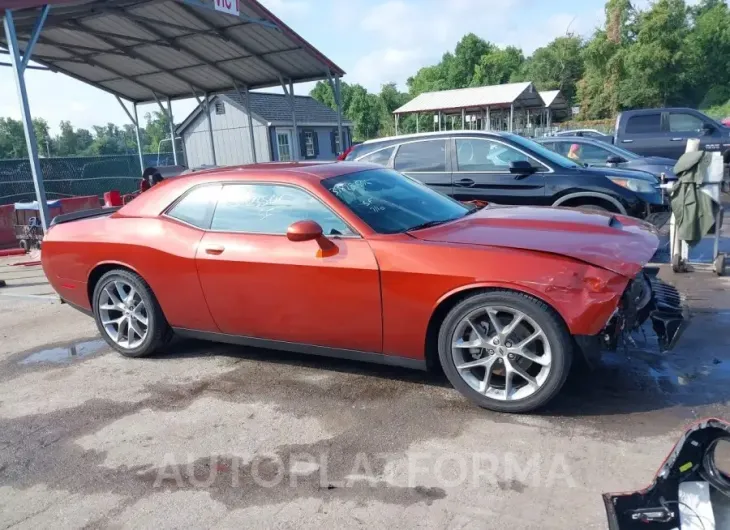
(386, 65)
(284, 8)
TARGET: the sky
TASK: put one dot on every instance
(374, 41)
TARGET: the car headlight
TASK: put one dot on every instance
(637, 185)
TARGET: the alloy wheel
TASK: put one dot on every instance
(501, 353)
(123, 314)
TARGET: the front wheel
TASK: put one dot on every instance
(506, 351)
(128, 315)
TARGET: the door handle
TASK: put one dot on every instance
(677, 139)
(627, 141)
(214, 250)
(466, 183)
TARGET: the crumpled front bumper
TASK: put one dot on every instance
(645, 298)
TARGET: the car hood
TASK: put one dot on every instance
(621, 173)
(655, 164)
(613, 242)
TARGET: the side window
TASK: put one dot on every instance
(428, 155)
(196, 207)
(591, 154)
(644, 123)
(270, 209)
(473, 154)
(679, 122)
(379, 157)
(562, 148)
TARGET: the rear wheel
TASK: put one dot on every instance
(128, 315)
(505, 351)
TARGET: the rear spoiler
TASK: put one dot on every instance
(83, 214)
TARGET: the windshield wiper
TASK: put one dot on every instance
(428, 224)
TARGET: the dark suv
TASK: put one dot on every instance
(509, 169)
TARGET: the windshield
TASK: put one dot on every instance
(542, 151)
(390, 202)
(628, 155)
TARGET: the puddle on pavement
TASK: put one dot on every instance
(66, 354)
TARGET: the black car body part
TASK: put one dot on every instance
(491, 167)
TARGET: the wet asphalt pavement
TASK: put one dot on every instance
(216, 436)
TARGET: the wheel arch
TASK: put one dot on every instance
(449, 300)
(591, 195)
(99, 270)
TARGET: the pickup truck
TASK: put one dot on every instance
(664, 132)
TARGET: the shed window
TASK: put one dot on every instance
(309, 144)
(220, 107)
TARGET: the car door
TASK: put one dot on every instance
(258, 283)
(482, 172)
(427, 161)
(685, 125)
(643, 134)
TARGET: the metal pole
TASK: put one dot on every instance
(417, 122)
(172, 130)
(338, 100)
(463, 119)
(210, 129)
(18, 66)
(488, 121)
(139, 138)
(511, 116)
(439, 120)
(297, 147)
(251, 136)
(396, 125)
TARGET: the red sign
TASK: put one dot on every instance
(227, 6)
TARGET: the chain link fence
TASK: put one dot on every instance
(74, 176)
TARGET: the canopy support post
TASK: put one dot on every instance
(172, 131)
(463, 119)
(246, 98)
(511, 117)
(139, 138)
(417, 123)
(210, 129)
(18, 65)
(338, 100)
(439, 121)
(296, 154)
(488, 121)
(396, 125)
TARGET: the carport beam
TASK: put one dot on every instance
(18, 65)
(338, 100)
(251, 137)
(139, 137)
(172, 130)
(210, 129)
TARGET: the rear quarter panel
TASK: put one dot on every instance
(418, 276)
(160, 250)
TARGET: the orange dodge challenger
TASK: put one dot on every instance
(361, 262)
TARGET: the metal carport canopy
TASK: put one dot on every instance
(143, 50)
(149, 50)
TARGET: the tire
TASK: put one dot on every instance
(158, 330)
(558, 352)
(593, 208)
(24, 244)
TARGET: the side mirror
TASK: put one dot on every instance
(614, 160)
(707, 129)
(521, 167)
(304, 231)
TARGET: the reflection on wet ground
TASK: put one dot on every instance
(65, 354)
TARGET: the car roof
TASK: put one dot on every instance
(434, 134)
(570, 139)
(157, 198)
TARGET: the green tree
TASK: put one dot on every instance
(497, 66)
(12, 139)
(557, 66)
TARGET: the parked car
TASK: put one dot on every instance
(506, 168)
(361, 262)
(596, 153)
(586, 133)
(664, 132)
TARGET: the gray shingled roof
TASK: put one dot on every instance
(275, 108)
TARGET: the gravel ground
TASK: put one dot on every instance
(215, 436)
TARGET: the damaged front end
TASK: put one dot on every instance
(646, 297)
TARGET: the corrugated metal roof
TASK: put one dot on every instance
(137, 49)
(557, 103)
(475, 98)
(274, 108)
